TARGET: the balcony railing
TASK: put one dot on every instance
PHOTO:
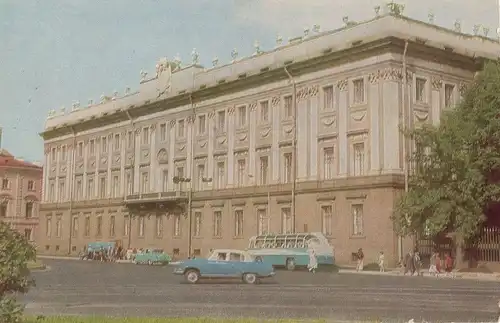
(156, 197)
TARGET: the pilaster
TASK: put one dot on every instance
(137, 160)
(343, 115)
(58, 166)
(230, 147)
(251, 143)
(123, 157)
(375, 106)
(211, 141)
(190, 173)
(392, 99)
(69, 172)
(109, 182)
(275, 149)
(171, 155)
(98, 154)
(46, 171)
(153, 162)
(436, 102)
(302, 133)
(313, 136)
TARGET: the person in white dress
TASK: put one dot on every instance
(313, 261)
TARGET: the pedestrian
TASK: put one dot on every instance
(361, 257)
(381, 262)
(432, 265)
(313, 261)
(448, 264)
(409, 263)
(438, 264)
(417, 262)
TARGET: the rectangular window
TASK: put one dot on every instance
(238, 223)
(80, 149)
(90, 188)
(52, 190)
(202, 124)
(116, 186)
(359, 91)
(288, 106)
(263, 222)
(112, 223)
(48, 227)
(58, 227)
(126, 225)
(75, 226)
(92, 147)
(221, 175)
(159, 226)
(287, 167)
(28, 212)
(221, 121)
(180, 128)
(129, 184)
(241, 172)
(144, 182)
(87, 226)
(63, 153)
(117, 142)
(328, 98)
(5, 184)
(197, 224)
(327, 219)
(180, 171)
(62, 190)
(4, 209)
(163, 132)
(79, 189)
(98, 226)
(264, 112)
(217, 224)
(145, 136)
(177, 225)
(165, 180)
(264, 170)
(140, 226)
(328, 163)
(242, 116)
(286, 220)
(102, 187)
(104, 145)
(448, 94)
(201, 176)
(359, 159)
(31, 185)
(357, 219)
(130, 139)
(53, 154)
(420, 89)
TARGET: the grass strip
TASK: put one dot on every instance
(100, 319)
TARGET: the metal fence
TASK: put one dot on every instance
(486, 248)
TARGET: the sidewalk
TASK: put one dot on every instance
(457, 275)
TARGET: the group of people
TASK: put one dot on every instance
(412, 264)
(103, 254)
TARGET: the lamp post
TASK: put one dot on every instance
(179, 180)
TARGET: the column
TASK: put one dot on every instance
(211, 141)
(342, 112)
(56, 193)
(69, 172)
(275, 148)
(171, 155)
(230, 147)
(374, 112)
(85, 168)
(437, 85)
(301, 136)
(391, 134)
(46, 171)
(153, 161)
(251, 143)
(313, 137)
(110, 161)
(190, 150)
(123, 159)
(137, 159)
(96, 170)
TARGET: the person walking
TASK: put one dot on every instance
(448, 264)
(381, 262)
(409, 263)
(313, 261)
(417, 262)
(361, 257)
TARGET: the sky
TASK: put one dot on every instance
(56, 52)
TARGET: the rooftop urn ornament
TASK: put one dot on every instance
(215, 61)
(458, 26)
(256, 45)
(143, 76)
(316, 28)
(486, 31)
(63, 110)
(475, 29)
(115, 94)
(76, 105)
(395, 9)
(234, 54)
(377, 11)
(345, 19)
(306, 32)
(279, 40)
(91, 102)
(195, 57)
(177, 61)
(127, 90)
(431, 17)
(51, 113)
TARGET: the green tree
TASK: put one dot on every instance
(15, 253)
(456, 166)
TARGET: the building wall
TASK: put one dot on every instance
(360, 126)
(19, 188)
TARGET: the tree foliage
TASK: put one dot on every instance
(15, 253)
(456, 165)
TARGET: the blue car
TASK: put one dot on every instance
(225, 263)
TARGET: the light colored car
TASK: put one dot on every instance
(152, 257)
(225, 263)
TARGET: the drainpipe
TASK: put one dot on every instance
(405, 143)
(129, 233)
(294, 144)
(190, 192)
(70, 180)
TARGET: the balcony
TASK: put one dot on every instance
(158, 197)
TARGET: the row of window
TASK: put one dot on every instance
(6, 184)
(95, 226)
(6, 206)
(219, 181)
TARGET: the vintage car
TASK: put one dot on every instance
(225, 263)
(152, 257)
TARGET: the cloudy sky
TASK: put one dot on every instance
(55, 52)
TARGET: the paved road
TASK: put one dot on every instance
(80, 287)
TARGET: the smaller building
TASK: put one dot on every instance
(20, 193)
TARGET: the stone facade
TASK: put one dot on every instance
(310, 142)
(20, 194)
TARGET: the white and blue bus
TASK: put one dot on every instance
(291, 250)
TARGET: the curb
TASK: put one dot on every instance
(476, 276)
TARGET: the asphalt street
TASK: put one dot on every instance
(91, 288)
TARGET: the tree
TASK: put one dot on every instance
(456, 166)
(15, 253)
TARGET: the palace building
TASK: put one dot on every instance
(302, 138)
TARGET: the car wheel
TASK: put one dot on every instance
(136, 262)
(192, 276)
(290, 264)
(250, 278)
(150, 262)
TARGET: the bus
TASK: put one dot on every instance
(291, 250)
